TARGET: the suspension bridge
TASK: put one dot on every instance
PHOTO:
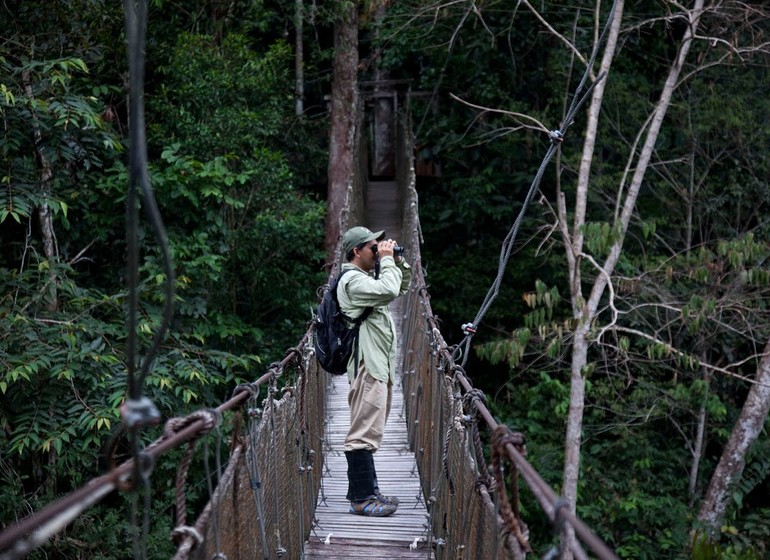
(280, 494)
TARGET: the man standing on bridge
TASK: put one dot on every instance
(378, 277)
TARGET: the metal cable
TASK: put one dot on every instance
(138, 411)
(136, 27)
(555, 137)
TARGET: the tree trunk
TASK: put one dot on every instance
(585, 311)
(383, 153)
(700, 437)
(344, 103)
(299, 60)
(47, 231)
(733, 460)
(583, 315)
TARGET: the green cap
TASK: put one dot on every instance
(357, 235)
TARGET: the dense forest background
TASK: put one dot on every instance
(676, 341)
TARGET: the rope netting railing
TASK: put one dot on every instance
(264, 504)
(474, 506)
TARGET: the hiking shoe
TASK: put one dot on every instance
(387, 499)
(372, 507)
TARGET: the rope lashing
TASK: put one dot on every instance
(276, 369)
(471, 401)
(251, 388)
(502, 437)
(211, 418)
(187, 536)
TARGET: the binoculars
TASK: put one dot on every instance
(397, 251)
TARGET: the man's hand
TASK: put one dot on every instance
(385, 248)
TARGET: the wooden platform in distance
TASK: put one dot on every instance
(383, 210)
(355, 536)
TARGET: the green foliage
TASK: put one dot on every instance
(704, 549)
(50, 127)
(225, 98)
(64, 376)
(246, 243)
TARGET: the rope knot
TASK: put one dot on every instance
(211, 419)
(503, 436)
(251, 388)
(485, 482)
(471, 401)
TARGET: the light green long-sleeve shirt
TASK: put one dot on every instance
(377, 337)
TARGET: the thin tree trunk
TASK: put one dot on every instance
(585, 311)
(45, 214)
(299, 60)
(344, 104)
(575, 247)
(700, 436)
(733, 459)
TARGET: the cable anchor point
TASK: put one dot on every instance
(468, 328)
(139, 412)
(556, 136)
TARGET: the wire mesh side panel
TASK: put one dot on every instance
(266, 503)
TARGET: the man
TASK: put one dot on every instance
(371, 372)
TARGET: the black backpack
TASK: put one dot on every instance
(334, 341)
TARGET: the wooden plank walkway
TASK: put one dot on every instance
(402, 535)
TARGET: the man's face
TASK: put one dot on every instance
(368, 255)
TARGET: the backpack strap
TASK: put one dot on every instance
(367, 311)
(356, 322)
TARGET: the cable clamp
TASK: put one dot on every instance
(556, 136)
(184, 532)
(468, 328)
(559, 506)
(139, 412)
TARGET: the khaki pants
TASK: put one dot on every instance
(369, 401)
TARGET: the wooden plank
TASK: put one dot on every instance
(370, 549)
